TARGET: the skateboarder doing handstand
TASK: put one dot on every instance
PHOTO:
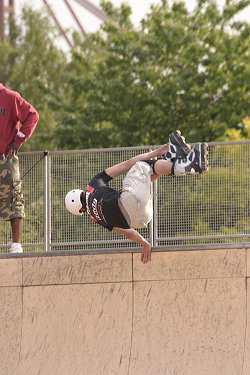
(131, 207)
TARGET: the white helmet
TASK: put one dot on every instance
(73, 201)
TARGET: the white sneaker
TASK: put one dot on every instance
(16, 247)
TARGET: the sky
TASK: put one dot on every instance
(91, 23)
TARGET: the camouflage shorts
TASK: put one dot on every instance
(11, 197)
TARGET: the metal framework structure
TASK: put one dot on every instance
(7, 10)
(189, 211)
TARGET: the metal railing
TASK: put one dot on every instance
(193, 210)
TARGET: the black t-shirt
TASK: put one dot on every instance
(102, 203)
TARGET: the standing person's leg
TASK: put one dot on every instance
(17, 207)
(11, 199)
(16, 228)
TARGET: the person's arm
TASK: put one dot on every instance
(134, 236)
(28, 117)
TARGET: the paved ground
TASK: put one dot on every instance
(185, 313)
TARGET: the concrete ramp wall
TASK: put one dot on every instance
(185, 313)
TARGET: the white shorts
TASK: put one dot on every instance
(136, 197)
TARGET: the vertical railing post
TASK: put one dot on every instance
(151, 226)
(155, 213)
(152, 223)
(47, 204)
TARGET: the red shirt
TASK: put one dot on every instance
(13, 111)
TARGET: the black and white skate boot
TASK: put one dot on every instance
(178, 148)
(194, 163)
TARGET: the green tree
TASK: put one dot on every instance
(32, 64)
(178, 70)
(123, 86)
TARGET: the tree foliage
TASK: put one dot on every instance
(178, 70)
(126, 86)
(32, 65)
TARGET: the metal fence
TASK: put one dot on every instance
(193, 210)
